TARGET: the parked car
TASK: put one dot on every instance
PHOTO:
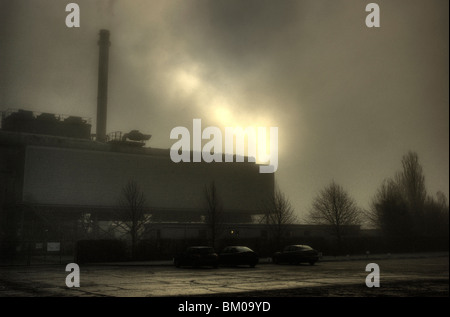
(238, 255)
(296, 254)
(197, 256)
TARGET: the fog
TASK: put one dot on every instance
(349, 101)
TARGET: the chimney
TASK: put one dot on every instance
(102, 92)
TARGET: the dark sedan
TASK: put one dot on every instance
(238, 255)
(197, 256)
(296, 254)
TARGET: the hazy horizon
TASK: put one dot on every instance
(349, 101)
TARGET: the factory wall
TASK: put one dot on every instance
(78, 177)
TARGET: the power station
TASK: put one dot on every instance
(57, 177)
(59, 183)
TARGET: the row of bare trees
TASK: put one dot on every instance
(133, 218)
(401, 207)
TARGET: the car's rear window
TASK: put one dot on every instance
(303, 247)
(243, 249)
(201, 250)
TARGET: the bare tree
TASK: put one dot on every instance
(334, 207)
(411, 181)
(214, 213)
(278, 213)
(133, 217)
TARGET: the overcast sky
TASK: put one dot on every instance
(349, 101)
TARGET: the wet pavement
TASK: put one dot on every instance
(161, 279)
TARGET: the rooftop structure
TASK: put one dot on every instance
(18, 120)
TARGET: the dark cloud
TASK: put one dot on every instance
(349, 101)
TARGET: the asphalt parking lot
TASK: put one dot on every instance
(399, 276)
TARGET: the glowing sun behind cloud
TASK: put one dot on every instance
(224, 107)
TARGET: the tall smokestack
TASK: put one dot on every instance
(102, 93)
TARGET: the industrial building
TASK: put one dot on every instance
(55, 187)
(60, 183)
